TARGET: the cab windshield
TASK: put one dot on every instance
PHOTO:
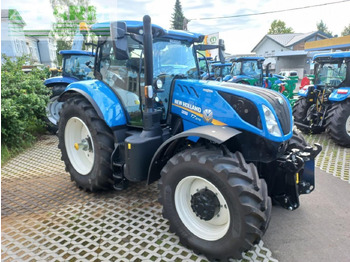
(331, 74)
(172, 57)
(78, 66)
(248, 68)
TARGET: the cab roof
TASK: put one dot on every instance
(248, 58)
(328, 57)
(76, 52)
(137, 26)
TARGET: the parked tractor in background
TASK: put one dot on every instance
(220, 151)
(325, 105)
(220, 70)
(249, 71)
(77, 65)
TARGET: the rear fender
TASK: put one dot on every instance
(102, 98)
(215, 134)
(340, 94)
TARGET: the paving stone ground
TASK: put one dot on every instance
(45, 217)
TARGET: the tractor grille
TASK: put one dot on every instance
(274, 98)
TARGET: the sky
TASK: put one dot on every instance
(241, 34)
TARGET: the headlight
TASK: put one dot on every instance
(271, 122)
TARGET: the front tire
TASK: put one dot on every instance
(338, 123)
(216, 204)
(86, 144)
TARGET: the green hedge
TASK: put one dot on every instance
(23, 102)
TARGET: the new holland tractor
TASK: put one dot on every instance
(76, 66)
(325, 105)
(220, 151)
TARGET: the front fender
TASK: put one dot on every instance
(216, 134)
(340, 94)
(59, 80)
(101, 97)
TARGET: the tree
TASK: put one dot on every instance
(68, 15)
(322, 27)
(346, 31)
(178, 19)
(279, 27)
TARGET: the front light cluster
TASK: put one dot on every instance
(271, 122)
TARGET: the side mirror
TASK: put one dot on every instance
(120, 43)
(222, 51)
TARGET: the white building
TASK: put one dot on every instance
(286, 51)
(16, 42)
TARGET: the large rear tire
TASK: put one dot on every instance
(216, 204)
(300, 109)
(86, 144)
(338, 123)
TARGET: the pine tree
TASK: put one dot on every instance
(178, 17)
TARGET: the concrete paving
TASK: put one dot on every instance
(317, 231)
(46, 218)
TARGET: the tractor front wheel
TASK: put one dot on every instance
(338, 123)
(86, 144)
(216, 204)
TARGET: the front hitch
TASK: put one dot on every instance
(298, 169)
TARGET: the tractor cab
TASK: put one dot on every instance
(123, 69)
(247, 70)
(77, 64)
(332, 71)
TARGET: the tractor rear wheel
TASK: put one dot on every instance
(86, 144)
(300, 110)
(216, 204)
(338, 123)
(53, 108)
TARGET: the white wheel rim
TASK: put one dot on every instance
(210, 230)
(75, 133)
(347, 126)
(52, 110)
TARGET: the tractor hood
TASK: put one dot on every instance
(254, 109)
(275, 99)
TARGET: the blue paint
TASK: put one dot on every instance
(335, 97)
(59, 80)
(209, 98)
(105, 99)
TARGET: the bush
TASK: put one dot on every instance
(23, 102)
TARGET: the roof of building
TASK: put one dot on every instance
(13, 16)
(288, 40)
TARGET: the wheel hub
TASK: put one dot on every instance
(205, 204)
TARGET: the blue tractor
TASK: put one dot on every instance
(77, 65)
(220, 151)
(246, 70)
(325, 105)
